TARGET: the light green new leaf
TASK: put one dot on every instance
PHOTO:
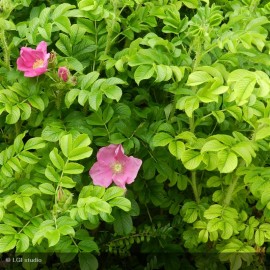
(7, 243)
(56, 159)
(37, 102)
(7, 229)
(73, 168)
(67, 182)
(113, 192)
(51, 174)
(53, 237)
(81, 141)
(13, 116)
(28, 157)
(24, 202)
(227, 229)
(143, 72)
(47, 188)
(66, 144)
(177, 148)
(259, 237)
(121, 202)
(262, 133)
(213, 146)
(213, 211)
(23, 243)
(244, 150)
(161, 139)
(227, 161)
(191, 159)
(34, 143)
(80, 153)
(192, 103)
(113, 92)
(198, 77)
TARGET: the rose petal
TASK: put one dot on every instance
(107, 154)
(101, 174)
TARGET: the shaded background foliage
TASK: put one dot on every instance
(184, 86)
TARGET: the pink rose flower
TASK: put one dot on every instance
(33, 62)
(63, 73)
(114, 166)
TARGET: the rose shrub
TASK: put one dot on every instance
(181, 87)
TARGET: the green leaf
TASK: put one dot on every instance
(143, 72)
(24, 202)
(121, 202)
(37, 102)
(22, 243)
(182, 182)
(113, 92)
(53, 237)
(12, 220)
(177, 148)
(64, 45)
(198, 77)
(56, 159)
(80, 153)
(262, 133)
(113, 192)
(227, 161)
(88, 261)
(73, 168)
(47, 188)
(161, 139)
(214, 181)
(81, 141)
(67, 182)
(13, 116)
(66, 230)
(259, 237)
(88, 245)
(123, 223)
(213, 145)
(63, 23)
(66, 144)
(7, 243)
(214, 211)
(76, 33)
(7, 229)
(100, 206)
(34, 143)
(191, 159)
(89, 79)
(51, 174)
(219, 115)
(28, 157)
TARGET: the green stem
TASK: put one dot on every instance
(194, 186)
(193, 173)
(5, 49)
(232, 186)
(110, 33)
(230, 191)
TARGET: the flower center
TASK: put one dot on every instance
(117, 167)
(38, 63)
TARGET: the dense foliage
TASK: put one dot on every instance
(182, 85)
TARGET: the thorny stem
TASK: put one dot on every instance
(198, 49)
(110, 33)
(5, 49)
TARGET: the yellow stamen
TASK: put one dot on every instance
(38, 63)
(117, 167)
